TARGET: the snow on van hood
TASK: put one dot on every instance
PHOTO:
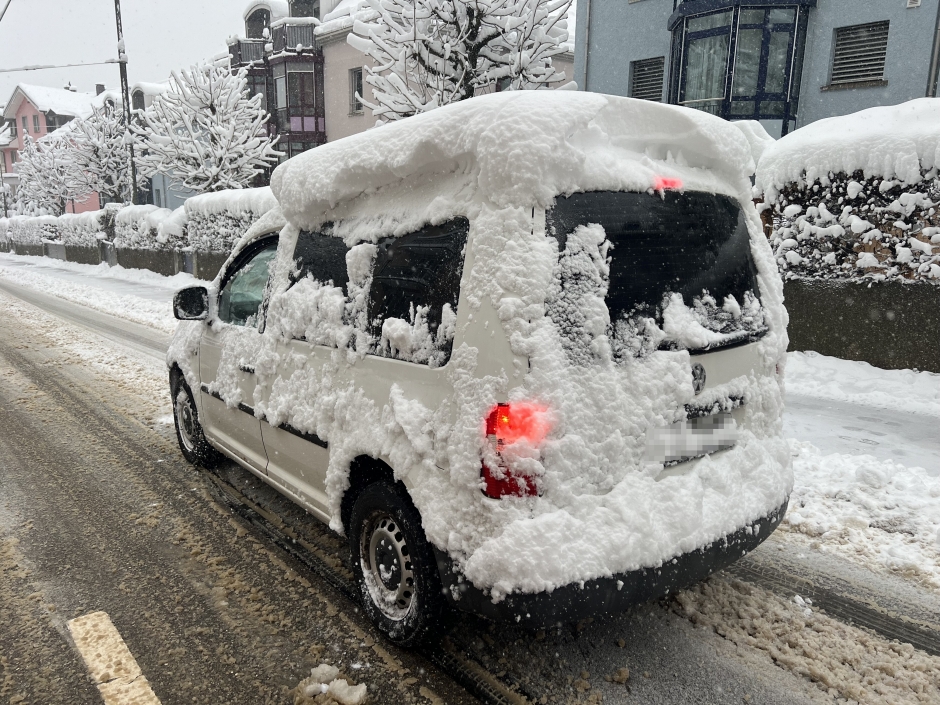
(522, 148)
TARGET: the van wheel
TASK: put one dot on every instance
(192, 440)
(394, 565)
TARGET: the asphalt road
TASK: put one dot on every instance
(98, 511)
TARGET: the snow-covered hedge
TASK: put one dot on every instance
(149, 228)
(84, 229)
(216, 221)
(28, 230)
(859, 195)
(209, 223)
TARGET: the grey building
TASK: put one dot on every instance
(784, 62)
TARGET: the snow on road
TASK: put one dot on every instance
(865, 447)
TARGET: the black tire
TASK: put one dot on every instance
(189, 434)
(386, 538)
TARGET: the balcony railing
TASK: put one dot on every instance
(292, 36)
(246, 51)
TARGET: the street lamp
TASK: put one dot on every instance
(122, 62)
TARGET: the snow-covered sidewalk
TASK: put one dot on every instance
(865, 445)
(136, 295)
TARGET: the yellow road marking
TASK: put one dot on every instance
(110, 663)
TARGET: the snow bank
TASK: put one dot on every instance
(217, 221)
(816, 375)
(875, 510)
(895, 142)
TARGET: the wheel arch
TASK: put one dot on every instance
(364, 470)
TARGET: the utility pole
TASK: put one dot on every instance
(122, 61)
(3, 188)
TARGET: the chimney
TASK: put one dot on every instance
(99, 88)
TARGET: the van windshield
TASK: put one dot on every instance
(675, 269)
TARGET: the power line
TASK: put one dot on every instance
(42, 67)
(4, 10)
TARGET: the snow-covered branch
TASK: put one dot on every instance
(205, 132)
(428, 53)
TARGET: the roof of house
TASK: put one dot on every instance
(58, 100)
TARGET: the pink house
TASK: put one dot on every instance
(36, 111)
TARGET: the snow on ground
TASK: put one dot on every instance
(849, 664)
(876, 512)
(824, 377)
(136, 295)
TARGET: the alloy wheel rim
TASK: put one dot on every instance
(386, 566)
(185, 419)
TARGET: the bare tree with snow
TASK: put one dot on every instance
(205, 131)
(101, 154)
(45, 169)
(429, 53)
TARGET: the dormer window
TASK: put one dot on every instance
(305, 8)
(137, 100)
(257, 22)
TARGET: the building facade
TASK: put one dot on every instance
(36, 111)
(785, 63)
(297, 57)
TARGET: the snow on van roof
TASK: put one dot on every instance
(522, 148)
(895, 141)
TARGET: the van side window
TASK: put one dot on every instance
(322, 257)
(244, 288)
(415, 287)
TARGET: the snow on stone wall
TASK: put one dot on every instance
(216, 221)
(847, 226)
(858, 195)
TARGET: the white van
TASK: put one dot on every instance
(524, 351)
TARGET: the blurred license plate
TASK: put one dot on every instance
(692, 438)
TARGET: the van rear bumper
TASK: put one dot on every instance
(617, 593)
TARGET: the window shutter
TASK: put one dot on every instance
(646, 79)
(860, 53)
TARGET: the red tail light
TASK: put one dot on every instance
(509, 423)
(667, 183)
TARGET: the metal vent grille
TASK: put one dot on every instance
(860, 53)
(646, 79)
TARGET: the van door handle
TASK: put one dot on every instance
(246, 368)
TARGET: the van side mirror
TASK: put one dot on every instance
(191, 303)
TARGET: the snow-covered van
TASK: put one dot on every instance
(524, 351)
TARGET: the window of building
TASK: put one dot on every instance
(305, 8)
(258, 84)
(25, 126)
(257, 22)
(36, 124)
(13, 132)
(742, 63)
(646, 78)
(859, 54)
(355, 91)
(137, 100)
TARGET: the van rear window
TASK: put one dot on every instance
(679, 271)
